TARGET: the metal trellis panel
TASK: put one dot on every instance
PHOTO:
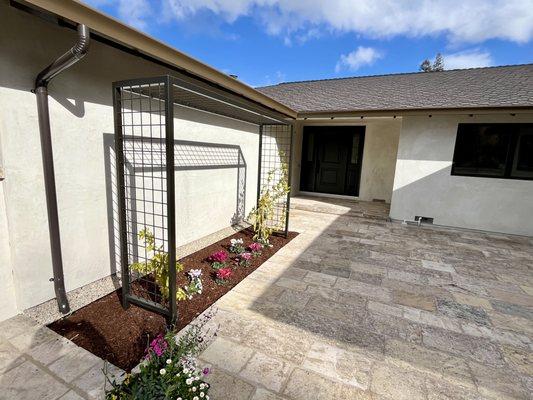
(144, 134)
(275, 163)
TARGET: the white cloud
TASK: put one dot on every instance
(358, 58)
(135, 13)
(471, 21)
(268, 80)
(468, 59)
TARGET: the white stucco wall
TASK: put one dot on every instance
(379, 159)
(379, 155)
(82, 131)
(423, 183)
(8, 306)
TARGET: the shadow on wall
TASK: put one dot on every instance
(461, 201)
(144, 172)
(29, 44)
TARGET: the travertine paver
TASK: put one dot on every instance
(362, 308)
(37, 363)
(267, 371)
(355, 307)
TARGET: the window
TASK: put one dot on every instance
(494, 150)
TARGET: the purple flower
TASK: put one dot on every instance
(205, 371)
(158, 345)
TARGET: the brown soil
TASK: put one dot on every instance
(121, 336)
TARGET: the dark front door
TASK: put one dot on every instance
(332, 162)
(331, 159)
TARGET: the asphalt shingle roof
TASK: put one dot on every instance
(508, 86)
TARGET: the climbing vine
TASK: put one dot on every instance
(272, 191)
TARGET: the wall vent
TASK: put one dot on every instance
(424, 220)
(378, 200)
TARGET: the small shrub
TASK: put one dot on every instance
(236, 246)
(158, 265)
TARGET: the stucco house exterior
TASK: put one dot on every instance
(454, 147)
(403, 139)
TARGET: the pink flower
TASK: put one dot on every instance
(158, 346)
(255, 247)
(224, 273)
(219, 256)
(246, 256)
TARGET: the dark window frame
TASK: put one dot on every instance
(512, 153)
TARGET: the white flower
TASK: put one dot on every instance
(162, 371)
(178, 374)
(169, 361)
(202, 394)
(179, 398)
(195, 273)
(185, 371)
(188, 381)
(206, 397)
(194, 389)
(202, 385)
(195, 398)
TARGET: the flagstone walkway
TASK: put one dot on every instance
(355, 307)
(360, 308)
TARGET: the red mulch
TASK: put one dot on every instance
(121, 336)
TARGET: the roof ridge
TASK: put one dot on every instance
(395, 74)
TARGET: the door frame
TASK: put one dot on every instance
(360, 130)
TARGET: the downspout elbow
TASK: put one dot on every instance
(72, 56)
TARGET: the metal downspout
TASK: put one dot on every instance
(72, 56)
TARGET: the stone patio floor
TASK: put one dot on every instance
(355, 307)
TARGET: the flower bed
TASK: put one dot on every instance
(121, 336)
(169, 369)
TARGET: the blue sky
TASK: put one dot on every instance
(270, 41)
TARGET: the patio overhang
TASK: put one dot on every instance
(193, 93)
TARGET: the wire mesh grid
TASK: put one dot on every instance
(275, 149)
(144, 168)
(146, 159)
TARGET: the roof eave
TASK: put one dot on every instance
(410, 111)
(111, 28)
